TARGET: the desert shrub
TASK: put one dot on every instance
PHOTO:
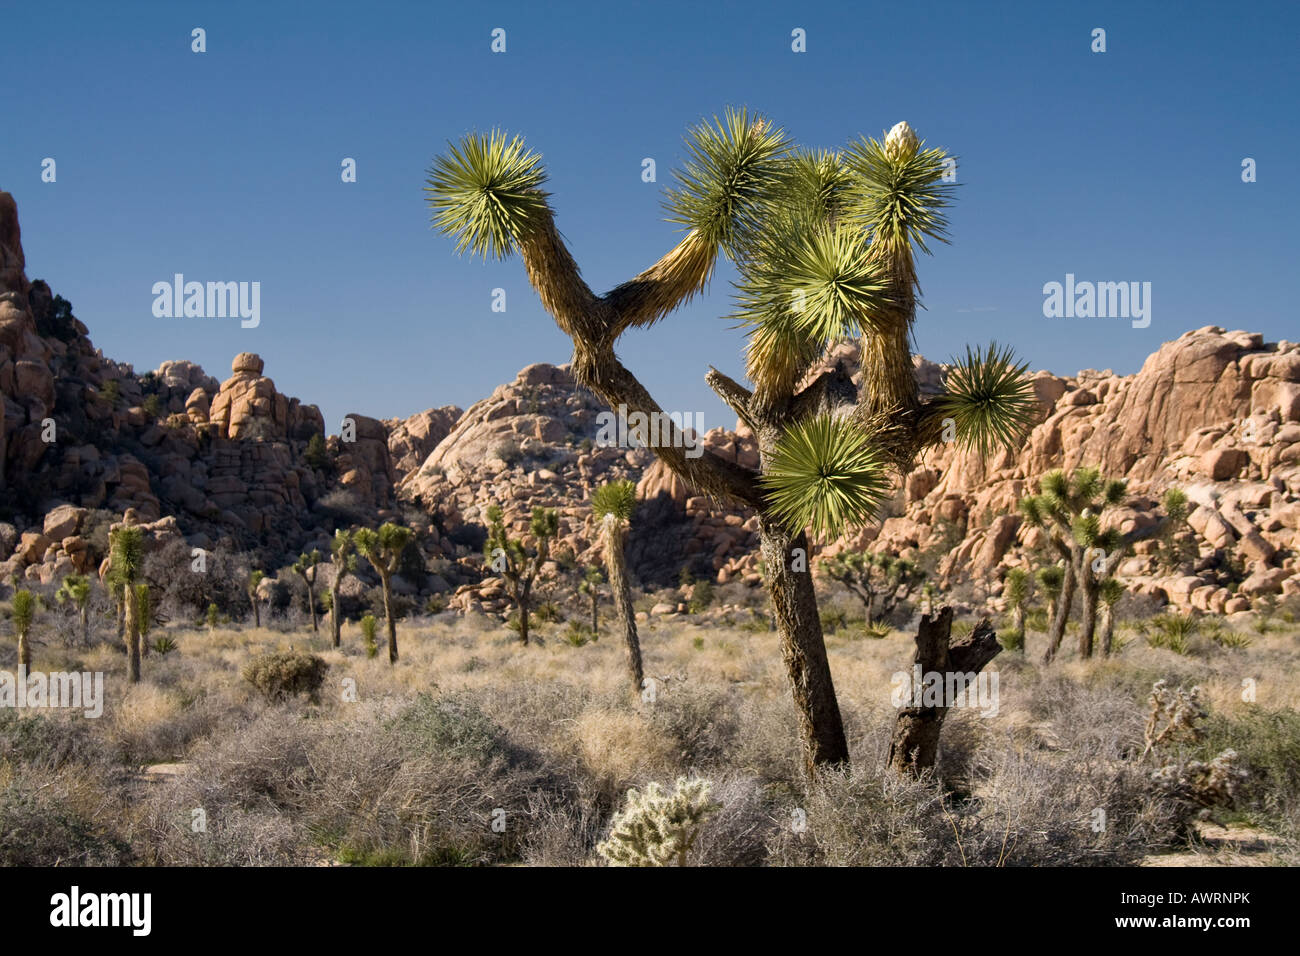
(368, 626)
(38, 827)
(46, 741)
(1268, 744)
(282, 674)
(182, 593)
(343, 507)
(701, 596)
(451, 725)
(698, 724)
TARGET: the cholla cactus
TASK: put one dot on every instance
(657, 828)
(1212, 784)
(1173, 716)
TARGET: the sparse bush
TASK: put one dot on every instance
(283, 674)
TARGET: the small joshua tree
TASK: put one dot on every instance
(254, 580)
(126, 561)
(383, 549)
(24, 611)
(590, 586)
(656, 828)
(1051, 584)
(613, 505)
(1016, 594)
(1112, 589)
(824, 243)
(345, 562)
(1173, 552)
(76, 589)
(516, 561)
(305, 568)
(368, 628)
(875, 575)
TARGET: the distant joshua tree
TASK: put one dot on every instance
(24, 611)
(613, 506)
(126, 557)
(383, 549)
(1015, 592)
(345, 562)
(305, 568)
(875, 576)
(254, 579)
(517, 563)
(590, 586)
(823, 242)
(76, 588)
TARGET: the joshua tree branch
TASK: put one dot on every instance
(732, 392)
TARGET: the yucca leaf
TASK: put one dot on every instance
(486, 192)
(989, 399)
(825, 475)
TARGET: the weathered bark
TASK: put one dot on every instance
(336, 620)
(131, 619)
(1089, 595)
(794, 605)
(389, 621)
(84, 613)
(915, 744)
(1060, 614)
(257, 610)
(616, 567)
(595, 616)
(1018, 621)
(24, 652)
(523, 602)
(1107, 629)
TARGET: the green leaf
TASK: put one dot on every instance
(825, 475)
(989, 399)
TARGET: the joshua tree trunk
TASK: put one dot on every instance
(803, 649)
(595, 616)
(131, 619)
(1107, 629)
(915, 744)
(1089, 594)
(386, 580)
(121, 617)
(1018, 621)
(523, 602)
(336, 621)
(84, 612)
(257, 612)
(24, 652)
(1060, 613)
(616, 566)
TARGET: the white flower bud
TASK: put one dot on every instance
(901, 143)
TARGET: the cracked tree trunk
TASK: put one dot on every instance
(794, 604)
(915, 744)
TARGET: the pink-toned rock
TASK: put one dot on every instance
(1220, 464)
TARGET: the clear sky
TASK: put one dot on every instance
(225, 166)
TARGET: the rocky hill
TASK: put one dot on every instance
(238, 465)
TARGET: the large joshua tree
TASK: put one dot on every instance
(345, 562)
(824, 245)
(612, 505)
(383, 549)
(126, 557)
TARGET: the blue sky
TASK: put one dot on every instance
(225, 166)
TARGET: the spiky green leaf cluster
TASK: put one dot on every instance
(616, 499)
(486, 192)
(23, 607)
(989, 399)
(722, 188)
(126, 553)
(383, 547)
(656, 828)
(1051, 580)
(1016, 587)
(900, 200)
(74, 588)
(825, 475)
